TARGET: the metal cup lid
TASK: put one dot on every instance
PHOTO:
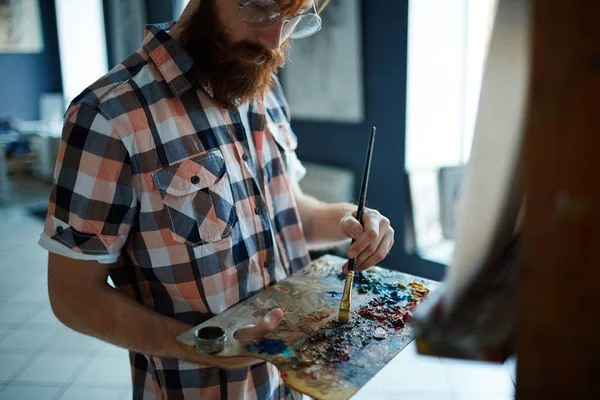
(210, 339)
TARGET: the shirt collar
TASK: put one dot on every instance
(173, 62)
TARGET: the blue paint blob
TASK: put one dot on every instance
(267, 346)
(334, 294)
(388, 293)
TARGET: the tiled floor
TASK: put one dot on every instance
(41, 359)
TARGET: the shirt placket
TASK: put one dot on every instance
(261, 220)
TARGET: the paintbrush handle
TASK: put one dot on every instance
(351, 264)
(362, 198)
(365, 179)
(352, 261)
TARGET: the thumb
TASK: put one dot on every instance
(351, 227)
(268, 324)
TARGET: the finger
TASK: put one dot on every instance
(268, 324)
(371, 220)
(351, 227)
(379, 255)
(345, 268)
(368, 251)
(384, 228)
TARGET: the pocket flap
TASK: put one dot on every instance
(191, 175)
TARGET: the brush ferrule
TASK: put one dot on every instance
(347, 295)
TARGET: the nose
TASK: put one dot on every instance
(271, 36)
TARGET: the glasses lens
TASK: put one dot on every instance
(259, 13)
(302, 26)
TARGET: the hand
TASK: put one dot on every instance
(248, 333)
(373, 241)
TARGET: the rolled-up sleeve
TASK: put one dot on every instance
(93, 203)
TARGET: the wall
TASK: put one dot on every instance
(30, 75)
(344, 145)
(160, 10)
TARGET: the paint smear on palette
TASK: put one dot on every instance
(335, 342)
(391, 293)
(389, 315)
(336, 354)
(267, 346)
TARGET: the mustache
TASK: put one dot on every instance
(247, 50)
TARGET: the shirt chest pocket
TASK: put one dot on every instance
(197, 196)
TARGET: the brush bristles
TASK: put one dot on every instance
(346, 303)
(344, 316)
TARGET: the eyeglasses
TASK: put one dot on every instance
(262, 13)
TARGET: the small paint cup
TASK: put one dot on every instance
(210, 339)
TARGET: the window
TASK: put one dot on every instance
(447, 43)
(82, 44)
(179, 7)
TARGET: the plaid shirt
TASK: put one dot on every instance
(153, 173)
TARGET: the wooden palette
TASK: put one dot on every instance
(310, 300)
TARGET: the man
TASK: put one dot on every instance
(177, 177)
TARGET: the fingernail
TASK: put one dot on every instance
(352, 253)
(357, 233)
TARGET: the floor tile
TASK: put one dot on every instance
(10, 364)
(466, 377)
(412, 372)
(79, 393)
(52, 368)
(29, 392)
(69, 340)
(33, 293)
(17, 312)
(24, 259)
(20, 273)
(106, 372)
(44, 318)
(127, 394)
(113, 351)
(26, 339)
(8, 291)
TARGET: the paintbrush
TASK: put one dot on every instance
(344, 313)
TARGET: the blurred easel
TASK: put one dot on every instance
(558, 334)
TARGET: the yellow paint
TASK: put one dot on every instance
(300, 385)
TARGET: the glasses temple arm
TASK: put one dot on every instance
(322, 6)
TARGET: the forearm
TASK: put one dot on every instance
(106, 314)
(321, 221)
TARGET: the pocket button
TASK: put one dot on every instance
(195, 179)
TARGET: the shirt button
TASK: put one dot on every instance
(245, 157)
(59, 230)
(195, 179)
(258, 210)
(267, 264)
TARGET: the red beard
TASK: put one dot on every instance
(226, 66)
